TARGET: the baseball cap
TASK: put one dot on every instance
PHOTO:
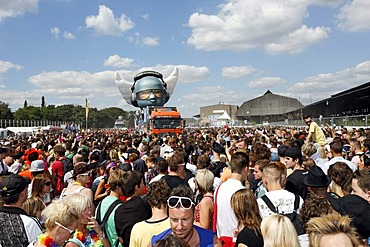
(13, 184)
(357, 208)
(37, 166)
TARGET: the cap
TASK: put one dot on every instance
(218, 148)
(357, 208)
(13, 184)
(316, 178)
(37, 166)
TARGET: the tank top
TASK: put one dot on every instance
(197, 213)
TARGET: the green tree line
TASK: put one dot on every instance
(103, 118)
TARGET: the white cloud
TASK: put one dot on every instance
(14, 8)
(119, 62)
(105, 22)
(5, 66)
(151, 41)
(298, 40)
(355, 16)
(241, 25)
(55, 31)
(323, 85)
(145, 17)
(235, 72)
(266, 82)
(68, 35)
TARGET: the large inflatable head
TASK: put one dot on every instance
(148, 89)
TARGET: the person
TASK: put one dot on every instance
(341, 176)
(134, 209)
(257, 174)
(88, 232)
(3, 167)
(355, 151)
(171, 241)
(294, 182)
(217, 166)
(162, 169)
(16, 227)
(364, 162)
(361, 184)
(16, 167)
(115, 182)
(61, 221)
(245, 207)
(142, 232)
(277, 230)
(177, 173)
(33, 207)
(332, 230)
(102, 189)
(81, 177)
(312, 207)
(225, 221)
(181, 213)
(204, 210)
(41, 188)
(314, 132)
(317, 182)
(283, 200)
(57, 173)
(336, 148)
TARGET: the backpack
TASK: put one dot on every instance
(67, 165)
(102, 221)
(294, 217)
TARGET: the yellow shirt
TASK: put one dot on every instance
(317, 134)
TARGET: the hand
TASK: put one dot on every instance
(95, 226)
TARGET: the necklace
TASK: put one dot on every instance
(46, 240)
(78, 183)
(92, 238)
(191, 235)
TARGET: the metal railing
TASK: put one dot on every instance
(4, 123)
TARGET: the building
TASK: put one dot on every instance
(213, 114)
(267, 108)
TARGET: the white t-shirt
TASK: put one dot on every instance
(283, 200)
(226, 219)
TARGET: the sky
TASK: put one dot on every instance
(226, 51)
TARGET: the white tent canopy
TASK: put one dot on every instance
(224, 116)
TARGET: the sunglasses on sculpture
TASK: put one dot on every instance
(184, 202)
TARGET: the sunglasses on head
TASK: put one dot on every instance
(86, 174)
(176, 201)
(71, 232)
(47, 183)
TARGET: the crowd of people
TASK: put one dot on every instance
(264, 186)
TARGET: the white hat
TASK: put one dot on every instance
(37, 166)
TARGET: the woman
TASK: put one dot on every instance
(102, 190)
(203, 214)
(277, 230)
(81, 177)
(88, 231)
(41, 188)
(61, 221)
(33, 207)
(245, 207)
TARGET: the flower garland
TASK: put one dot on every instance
(92, 239)
(28, 152)
(46, 240)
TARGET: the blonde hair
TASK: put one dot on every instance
(61, 211)
(331, 224)
(277, 230)
(204, 179)
(81, 201)
(33, 205)
(272, 172)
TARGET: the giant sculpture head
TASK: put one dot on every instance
(148, 89)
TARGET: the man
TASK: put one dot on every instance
(361, 184)
(225, 221)
(115, 185)
(283, 200)
(157, 194)
(3, 167)
(336, 149)
(16, 227)
(217, 166)
(294, 182)
(355, 151)
(16, 167)
(57, 172)
(317, 182)
(181, 213)
(314, 132)
(135, 209)
(177, 171)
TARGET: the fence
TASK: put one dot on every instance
(4, 123)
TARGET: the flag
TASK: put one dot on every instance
(87, 108)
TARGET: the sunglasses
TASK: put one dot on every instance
(47, 183)
(86, 174)
(184, 202)
(71, 232)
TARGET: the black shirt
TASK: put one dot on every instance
(295, 183)
(248, 237)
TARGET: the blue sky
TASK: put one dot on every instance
(229, 51)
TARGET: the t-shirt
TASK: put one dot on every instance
(248, 237)
(317, 134)
(173, 181)
(295, 183)
(143, 231)
(57, 168)
(128, 214)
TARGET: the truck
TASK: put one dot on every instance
(119, 123)
(165, 120)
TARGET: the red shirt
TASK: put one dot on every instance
(57, 169)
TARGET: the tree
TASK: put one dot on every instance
(5, 112)
(43, 101)
(25, 104)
